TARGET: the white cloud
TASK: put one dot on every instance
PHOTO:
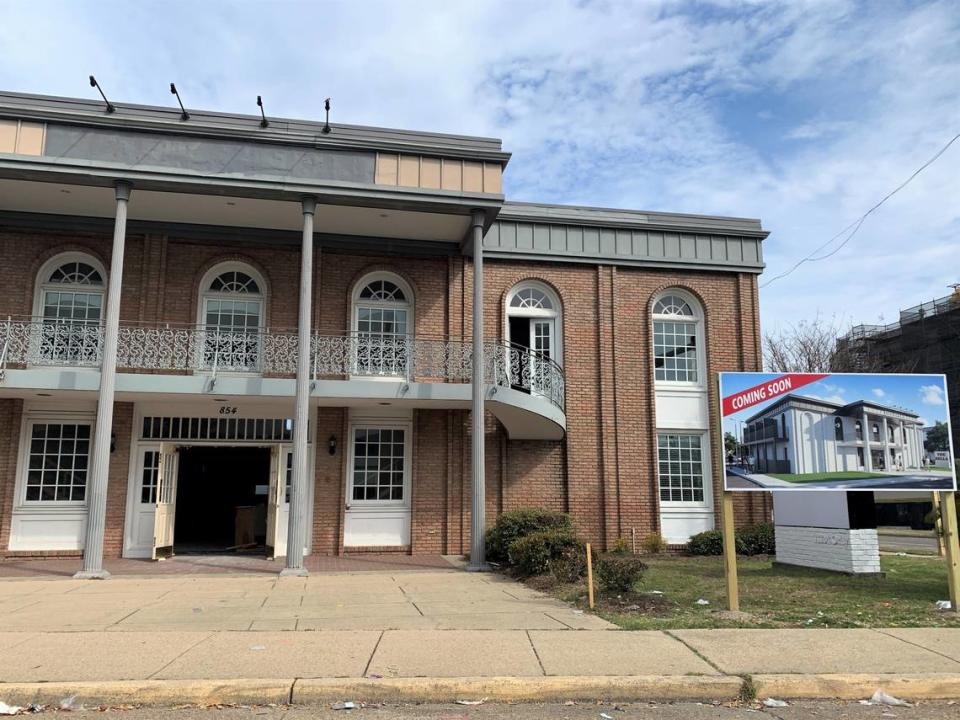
(932, 395)
(879, 392)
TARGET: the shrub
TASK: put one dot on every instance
(621, 546)
(753, 540)
(653, 544)
(756, 540)
(532, 554)
(516, 524)
(571, 565)
(706, 543)
(619, 573)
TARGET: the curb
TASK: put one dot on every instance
(928, 686)
(664, 688)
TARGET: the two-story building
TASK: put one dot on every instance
(219, 330)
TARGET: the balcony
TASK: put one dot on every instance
(517, 377)
(766, 433)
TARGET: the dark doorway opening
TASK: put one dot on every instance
(519, 337)
(222, 500)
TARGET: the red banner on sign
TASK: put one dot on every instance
(783, 385)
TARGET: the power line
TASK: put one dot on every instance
(856, 224)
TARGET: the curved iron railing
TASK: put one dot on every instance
(34, 342)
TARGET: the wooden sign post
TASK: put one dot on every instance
(948, 516)
(590, 575)
(729, 551)
(938, 523)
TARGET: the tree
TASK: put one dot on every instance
(937, 438)
(819, 346)
(730, 443)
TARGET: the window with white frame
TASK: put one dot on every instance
(677, 339)
(70, 303)
(379, 457)
(57, 462)
(148, 477)
(533, 328)
(680, 465)
(383, 325)
(232, 317)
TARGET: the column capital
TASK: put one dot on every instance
(309, 204)
(477, 218)
(123, 188)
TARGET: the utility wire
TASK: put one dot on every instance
(856, 224)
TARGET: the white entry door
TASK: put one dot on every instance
(164, 517)
(378, 486)
(278, 501)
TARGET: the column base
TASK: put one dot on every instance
(294, 572)
(91, 575)
(478, 567)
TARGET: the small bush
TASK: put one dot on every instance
(621, 546)
(516, 524)
(756, 540)
(654, 544)
(532, 554)
(706, 543)
(619, 573)
(753, 540)
(571, 565)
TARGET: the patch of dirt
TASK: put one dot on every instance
(635, 604)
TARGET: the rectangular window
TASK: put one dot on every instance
(57, 462)
(675, 351)
(381, 345)
(148, 479)
(378, 462)
(249, 430)
(288, 477)
(680, 462)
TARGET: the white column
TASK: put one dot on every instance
(867, 459)
(100, 461)
(299, 488)
(885, 443)
(478, 499)
(901, 443)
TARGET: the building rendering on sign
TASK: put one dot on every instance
(801, 435)
(218, 333)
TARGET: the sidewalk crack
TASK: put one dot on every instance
(375, 647)
(186, 650)
(922, 647)
(696, 652)
(535, 653)
(569, 627)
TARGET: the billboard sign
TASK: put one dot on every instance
(834, 431)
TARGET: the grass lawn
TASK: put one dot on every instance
(778, 596)
(817, 477)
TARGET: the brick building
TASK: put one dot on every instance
(152, 373)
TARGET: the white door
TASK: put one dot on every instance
(541, 341)
(165, 515)
(278, 500)
(378, 487)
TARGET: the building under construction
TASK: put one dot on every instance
(926, 339)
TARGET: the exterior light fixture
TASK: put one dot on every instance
(332, 444)
(263, 117)
(94, 83)
(184, 115)
(326, 123)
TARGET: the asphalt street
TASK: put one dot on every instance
(822, 710)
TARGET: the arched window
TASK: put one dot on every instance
(69, 303)
(231, 315)
(858, 429)
(838, 429)
(533, 324)
(677, 339)
(382, 325)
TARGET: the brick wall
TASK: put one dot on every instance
(847, 551)
(603, 471)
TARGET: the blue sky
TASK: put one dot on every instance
(803, 114)
(924, 395)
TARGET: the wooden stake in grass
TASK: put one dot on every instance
(590, 576)
(938, 523)
(948, 515)
(729, 550)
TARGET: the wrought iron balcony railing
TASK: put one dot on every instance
(202, 349)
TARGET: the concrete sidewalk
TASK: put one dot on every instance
(416, 635)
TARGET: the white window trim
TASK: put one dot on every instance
(385, 424)
(408, 304)
(555, 314)
(29, 419)
(706, 461)
(231, 266)
(42, 282)
(698, 320)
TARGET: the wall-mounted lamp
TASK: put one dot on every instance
(95, 84)
(263, 116)
(332, 444)
(184, 115)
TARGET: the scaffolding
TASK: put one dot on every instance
(925, 339)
